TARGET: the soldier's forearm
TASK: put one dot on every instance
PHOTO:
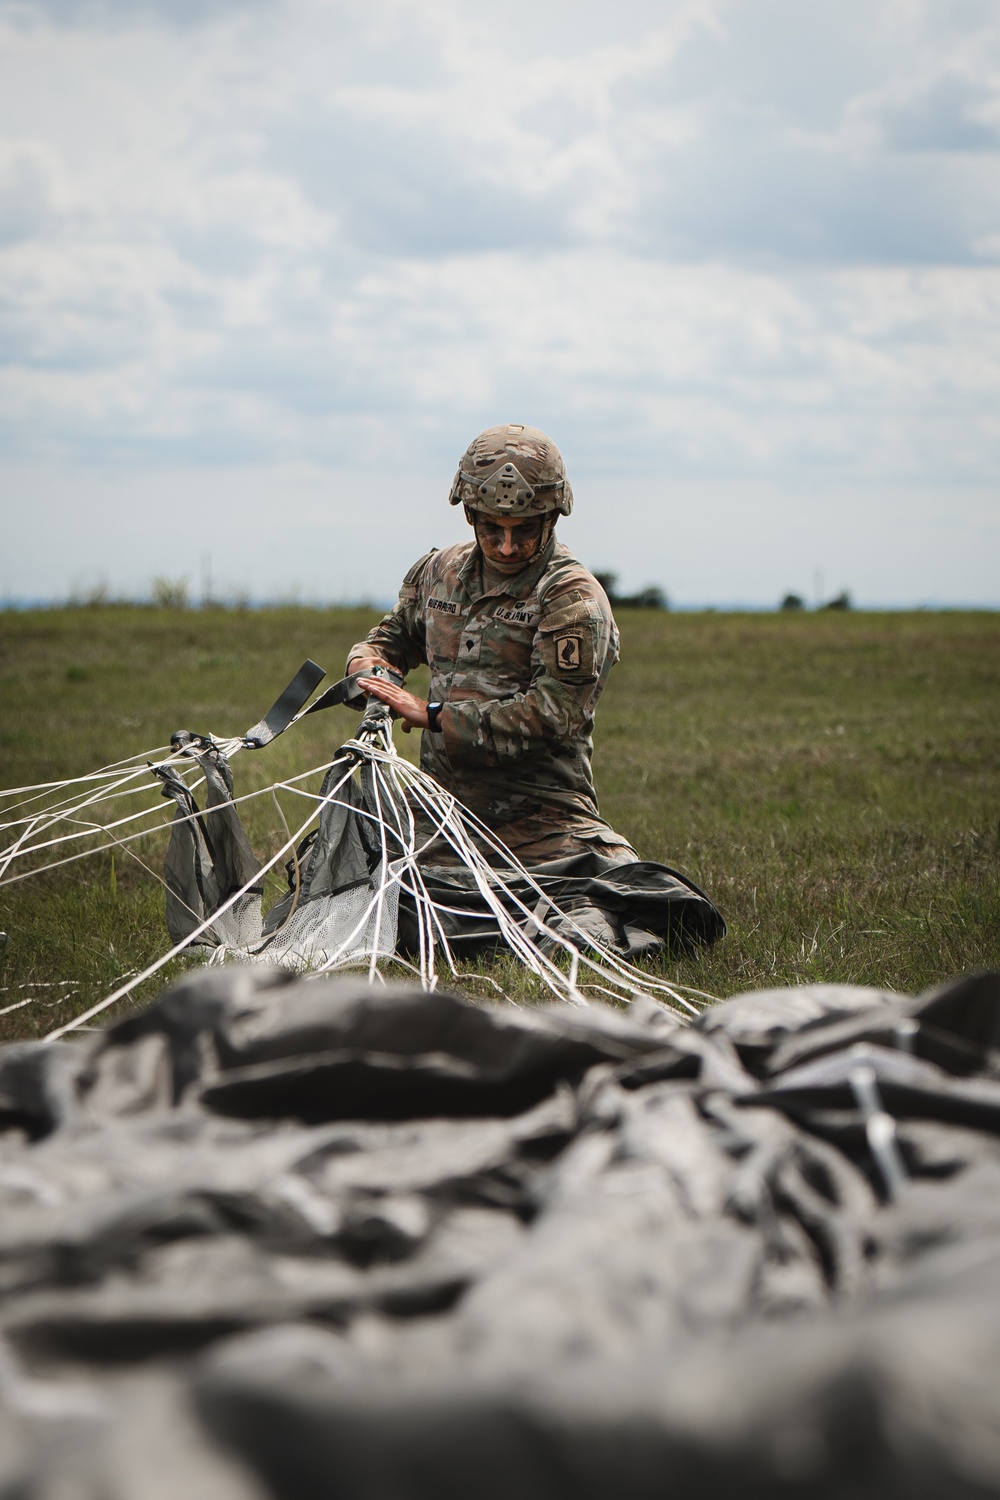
(499, 733)
(362, 656)
(393, 642)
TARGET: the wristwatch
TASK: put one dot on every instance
(433, 722)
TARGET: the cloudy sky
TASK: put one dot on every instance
(266, 266)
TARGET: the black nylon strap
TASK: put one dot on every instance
(344, 691)
(283, 711)
(348, 691)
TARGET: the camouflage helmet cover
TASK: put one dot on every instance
(512, 471)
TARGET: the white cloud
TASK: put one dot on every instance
(739, 243)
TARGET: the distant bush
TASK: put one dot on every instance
(170, 593)
(793, 601)
(647, 598)
(842, 601)
(97, 596)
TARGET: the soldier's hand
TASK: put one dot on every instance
(411, 709)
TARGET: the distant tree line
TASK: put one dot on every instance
(796, 601)
(647, 598)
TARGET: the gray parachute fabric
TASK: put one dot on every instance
(635, 909)
(331, 878)
(209, 859)
(301, 1238)
(332, 881)
(354, 889)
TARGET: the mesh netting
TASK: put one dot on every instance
(240, 926)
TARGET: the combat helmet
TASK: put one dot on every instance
(512, 470)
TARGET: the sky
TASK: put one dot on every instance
(267, 266)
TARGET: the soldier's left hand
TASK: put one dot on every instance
(411, 709)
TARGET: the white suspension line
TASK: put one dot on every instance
(145, 832)
(112, 770)
(531, 957)
(13, 851)
(428, 917)
(298, 791)
(383, 875)
(338, 957)
(90, 831)
(63, 810)
(421, 900)
(43, 822)
(56, 810)
(614, 969)
(360, 748)
(637, 981)
(228, 748)
(41, 984)
(181, 762)
(186, 942)
(19, 1005)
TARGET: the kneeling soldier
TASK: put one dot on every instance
(519, 638)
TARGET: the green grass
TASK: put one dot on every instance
(831, 780)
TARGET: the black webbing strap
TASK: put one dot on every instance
(344, 691)
(283, 711)
(348, 690)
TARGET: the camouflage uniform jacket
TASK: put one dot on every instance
(519, 669)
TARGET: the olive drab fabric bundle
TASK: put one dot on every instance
(276, 1237)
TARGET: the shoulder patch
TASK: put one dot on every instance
(568, 656)
(571, 639)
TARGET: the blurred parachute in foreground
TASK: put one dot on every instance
(312, 1239)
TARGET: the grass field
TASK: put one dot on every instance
(832, 780)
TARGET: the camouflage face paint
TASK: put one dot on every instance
(508, 545)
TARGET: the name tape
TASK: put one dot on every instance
(515, 616)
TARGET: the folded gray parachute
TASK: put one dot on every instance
(209, 858)
(288, 1237)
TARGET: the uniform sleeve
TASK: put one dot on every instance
(574, 649)
(399, 637)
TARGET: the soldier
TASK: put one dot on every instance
(519, 638)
